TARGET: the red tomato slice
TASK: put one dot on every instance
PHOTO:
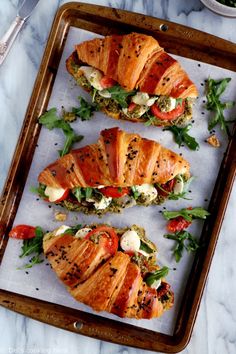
(131, 107)
(22, 232)
(107, 82)
(175, 113)
(114, 192)
(178, 224)
(107, 238)
(166, 188)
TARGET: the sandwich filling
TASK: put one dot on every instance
(130, 105)
(103, 199)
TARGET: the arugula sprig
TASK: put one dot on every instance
(73, 229)
(187, 214)
(175, 196)
(85, 111)
(50, 120)
(215, 88)
(136, 193)
(181, 136)
(151, 120)
(33, 246)
(158, 274)
(40, 190)
(80, 193)
(120, 95)
(185, 241)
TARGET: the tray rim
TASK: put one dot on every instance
(50, 313)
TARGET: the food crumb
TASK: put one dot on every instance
(213, 141)
(59, 216)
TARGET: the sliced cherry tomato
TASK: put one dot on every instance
(131, 107)
(175, 113)
(107, 82)
(22, 232)
(114, 192)
(106, 237)
(166, 188)
(178, 224)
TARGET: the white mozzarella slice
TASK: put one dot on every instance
(140, 98)
(62, 229)
(54, 194)
(104, 93)
(148, 190)
(130, 241)
(179, 185)
(102, 204)
(82, 232)
(172, 105)
(93, 75)
(138, 112)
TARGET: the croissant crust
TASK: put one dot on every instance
(117, 159)
(104, 281)
(136, 61)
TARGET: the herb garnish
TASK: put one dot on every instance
(85, 111)
(136, 193)
(187, 214)
(80, 193)
(73, 229)
(144, 247)
(120, 95)
(175, 196)
(33, 246)
(151, 120)
(50, 120)
(158, 274)
(215, 89)
(181, 136)
(40, 190)
(184, 241)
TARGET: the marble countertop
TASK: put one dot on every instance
(214, 330)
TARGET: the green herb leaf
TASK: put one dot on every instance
(178, 101)
(181, 136)
(144, 247)
(136, 193)
(82, 193)
(33, 246)
(151, 120)
(120, 95)
(50, 120)
(85, 111)
(215, 88)
(40, 190)
(185, 241)
(72, 230)
(187, 214)
(158, 274)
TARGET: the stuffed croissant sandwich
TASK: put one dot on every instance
(110, 269)
(119, 171)
(131, 77)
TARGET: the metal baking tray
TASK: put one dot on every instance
(176, 39)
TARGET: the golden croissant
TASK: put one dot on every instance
(107, 269)
(120, 170)
(131, 77)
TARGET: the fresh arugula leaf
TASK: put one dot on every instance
(185, 241)
(50, 120)
(187, 214)
(144, 247)
(215, 88)
(85, 111)
(178, 101)
(40, 190)
(151, 120)
(120, 95)
(82, 193)
(33, 246)
(136, 193)
(181, 136)
(158, 274)
(72, 230)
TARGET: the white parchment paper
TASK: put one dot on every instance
(40, 281)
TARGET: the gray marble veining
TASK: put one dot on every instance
(214, 331)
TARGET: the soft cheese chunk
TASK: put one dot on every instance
(148, 191)
(54, 194)
(143, 99)
(102, 204)
(82, 232)
(61, 230)
(94, 76)
(130, 241)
